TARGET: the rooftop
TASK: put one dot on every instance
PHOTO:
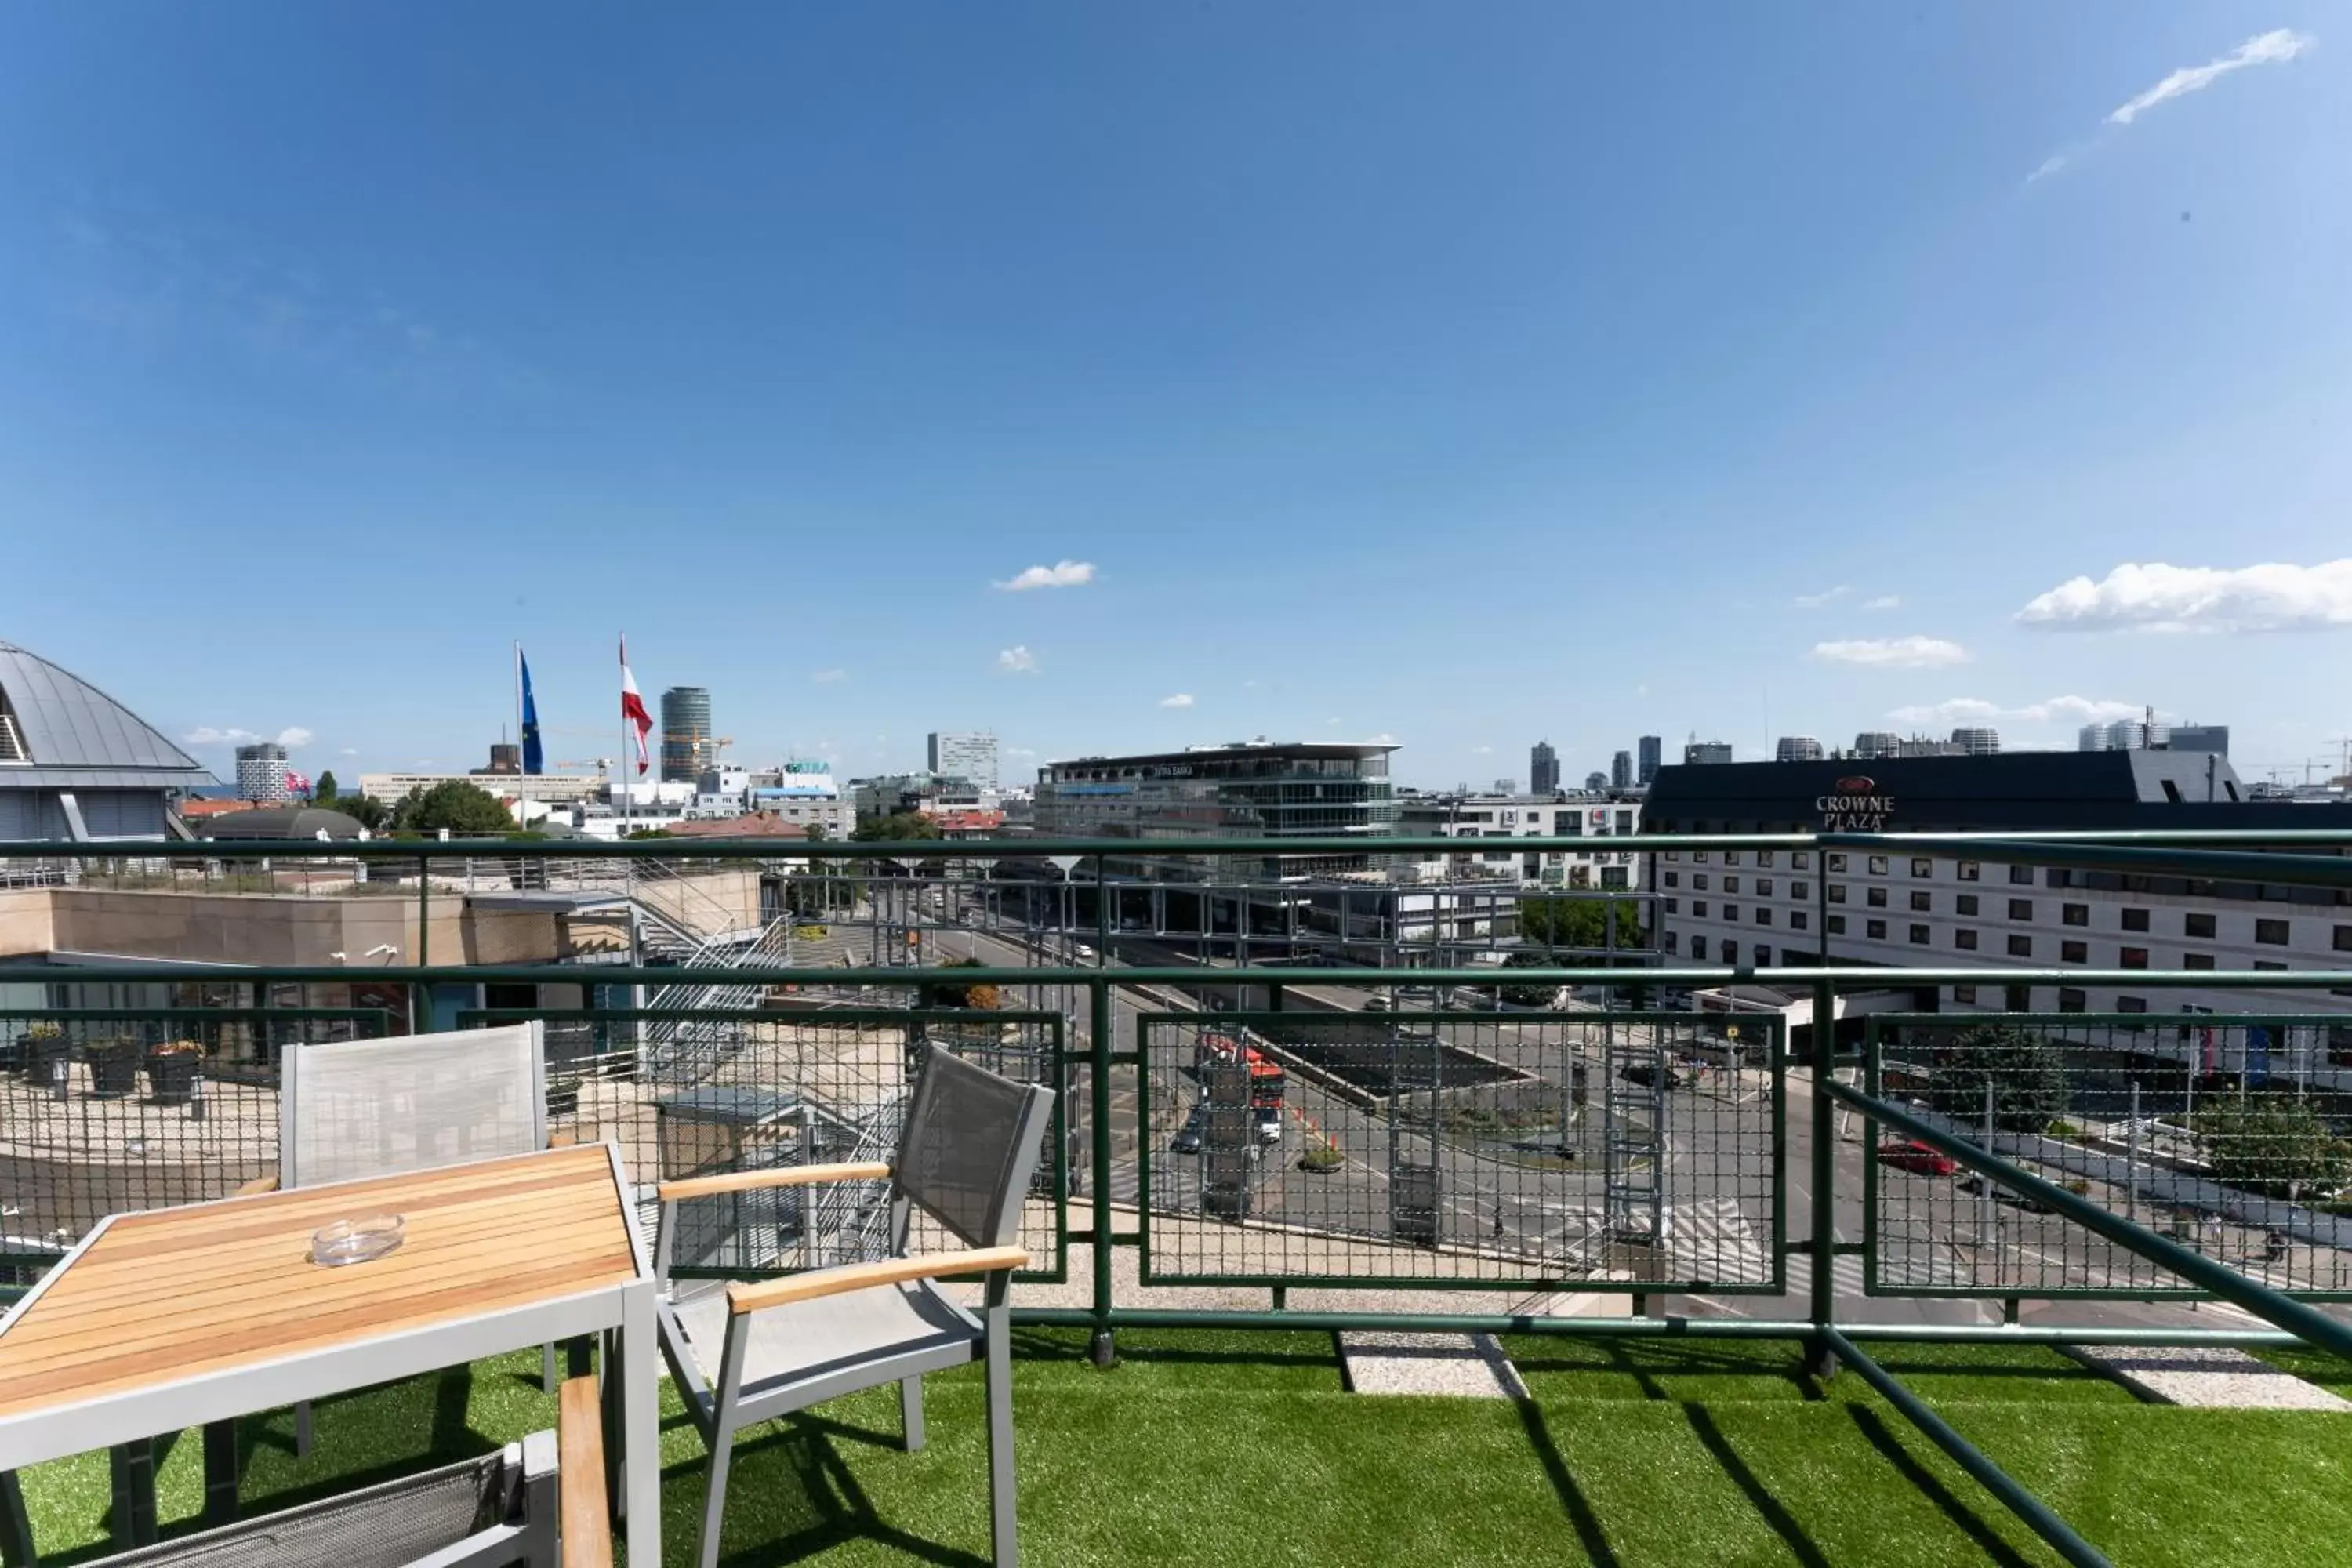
(57, 730)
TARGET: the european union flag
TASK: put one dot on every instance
(534, 760)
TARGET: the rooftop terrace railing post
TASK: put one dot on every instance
(1821, 1356)
(1098, 994)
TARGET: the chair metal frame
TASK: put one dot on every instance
(722, 1407)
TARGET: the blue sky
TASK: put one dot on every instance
(1463, 375)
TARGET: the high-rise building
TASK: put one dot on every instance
(1621, 771)
(2133, 735)
(2091, 738)
(1653, 753)
(1877, 743)
(1977, 741)
(1707, 752)
(1257, 789)
(969, 757)
(261, 773)
(2201, 738)
(1543, 769)
(1596, 782)
(686, 747)
(1507, 786)
(1796, 749)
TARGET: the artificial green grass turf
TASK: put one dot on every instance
(1192, 1451)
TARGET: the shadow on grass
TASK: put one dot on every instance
(1930, 1486)
(791, 1496)
(1782, 1522)
(1061, 1347)
(1573, 1500)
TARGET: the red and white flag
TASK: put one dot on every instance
(633, 707)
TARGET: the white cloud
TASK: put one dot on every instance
(1826, 597)
(1893, 653)
(2158, 597)
(2274, 47)
(1020, 750)
(349, 751)
(1332, 720)
(2047, 167)
(1017, 660)
(1884, 602)
(1383, 739)
(1176, 700)
(1977, 710)
(827, 677)
(294, 735)
(1061, 574)
(1481, 751)
(209, 735)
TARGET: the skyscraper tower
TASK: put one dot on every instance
(1621, 771)
(685, 748)
(1543, 769)
(1654, 752)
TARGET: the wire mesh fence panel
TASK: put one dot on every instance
(104, 1112)
(1634, 1152)
(2228, 1133)
(796, 1084)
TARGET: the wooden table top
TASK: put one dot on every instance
(175, 1293)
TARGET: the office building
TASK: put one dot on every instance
(1877, 743)
(1594, 783)
(1707, 753)
(1976, 741)
(1796, 749)
(2126, 736)
(261, 774)
(1507, 786)
(1759, 907)
(1650, 752)
(1504, 816)
(75, 764)
(1256, 789)
(969, 757)
(1543, 769)
(686, 744)
(2201, 738)
(1621, 771)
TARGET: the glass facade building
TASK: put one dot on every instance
(1260, 790)
(685, 748)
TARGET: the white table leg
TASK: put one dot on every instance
(641, 1417)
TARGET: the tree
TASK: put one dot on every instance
(325, 789)
(2272, 1145)
(364, 809)
(815, 832)
(2028, 1079)
(949, 995)
(1579, 922)
(1527, 996)
(899, 827)
(455, 804)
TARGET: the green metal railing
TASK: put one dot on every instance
(2305, 858)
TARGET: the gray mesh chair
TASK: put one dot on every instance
(755, 1352)
(353, 1109)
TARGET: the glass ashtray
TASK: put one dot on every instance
(348, 1241)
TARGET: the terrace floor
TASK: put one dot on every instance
(1246, 1449)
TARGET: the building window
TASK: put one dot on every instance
(1798, 920)
(1731, 913)
(2020, 908)
(2020, 947)
(1698, 908)
(2131, 1004)
(1731, 884)
(2072, 1001)
(2343, 938)
(1698, 947)
(2073, 953)
(1801, 860)
(2074, 914)
(1699, 856)
(1875, 897)
(2017, 998)
(2134, 958)
(1878, 865)
(1875, 931)
(1965, 904)
(2268, 964)
(1674, 878)
(1922, 903)
(2135, 920)
(1837, 862)
(1923, 868)
(1673, 941)
(1698, 880)
(1801, 889)
(1763, 887)
(1836, 925)
(1964, 996)
(2271, 933)
(1969, 873)
(1731, 856)
(1730, 951)
(1763, 915)
(1763, 957)
(1965, 939)
(2196, 960)
(1671, 906)
(1837, 893)
(1673, 854)
(2021, 876)
(1918, 936)
(1763, 857)
(2203, 925)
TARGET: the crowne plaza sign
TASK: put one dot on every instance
(1854, 805)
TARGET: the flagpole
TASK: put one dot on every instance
(623, 760)
(518, 679)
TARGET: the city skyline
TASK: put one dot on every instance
(2011, 408)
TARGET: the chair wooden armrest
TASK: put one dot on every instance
(752, 1297)
(259, 1185)
(586, 1530)
(776, 1176)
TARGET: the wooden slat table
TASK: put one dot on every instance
(177, 1317)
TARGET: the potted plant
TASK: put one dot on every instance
(113, 1067)
(1322, 1157)
(172, 1070)
(38, 1048)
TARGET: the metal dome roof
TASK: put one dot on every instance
(55, 729)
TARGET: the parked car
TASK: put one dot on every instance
(1378, 1005)
(1647, 1072)
(1909, 1154)
(1188, 1137)
(1973, 1183)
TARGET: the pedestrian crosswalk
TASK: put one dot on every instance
(1712, 1240)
